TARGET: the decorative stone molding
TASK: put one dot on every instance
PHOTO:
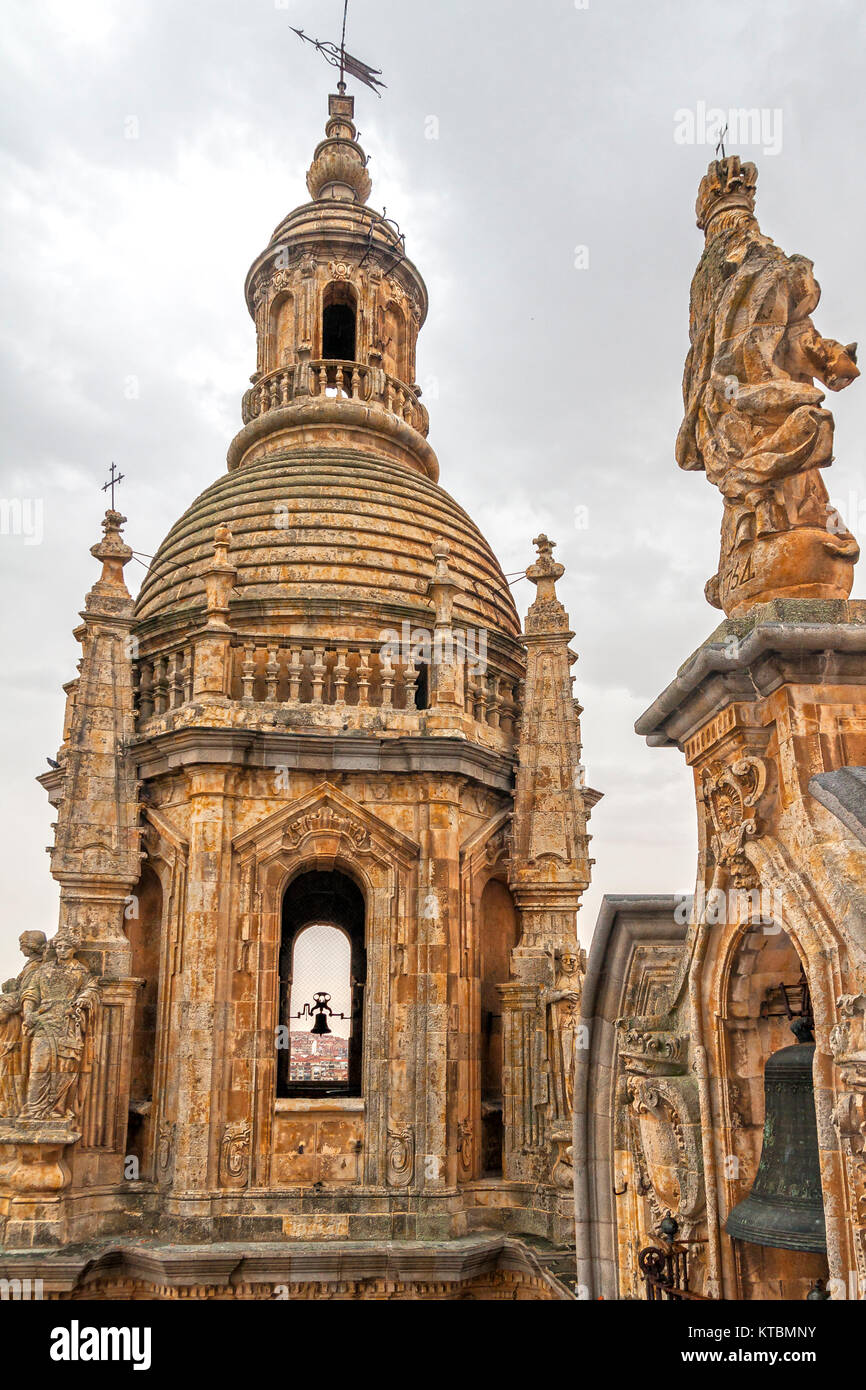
(401, 1155)
(235, 1154)
(666, 1130)
(651, 1050)
(731, 794)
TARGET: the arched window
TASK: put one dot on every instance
(322, 975)
(339, 324)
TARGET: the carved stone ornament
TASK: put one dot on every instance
(339, 270)
(848, 1035)
(498, 847)
(165, 1148)
(235, 1154)
(465, 1147)
(731, 793)
(667, 1140)
(401, 1155)
(328, 820)
(649, 1049)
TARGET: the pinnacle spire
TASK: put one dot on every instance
(339, 167)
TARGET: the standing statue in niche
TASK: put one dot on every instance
(562, 1003)
(58, 1001)
(754, 420)
(14, 1042)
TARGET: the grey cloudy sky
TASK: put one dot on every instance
(125, 335)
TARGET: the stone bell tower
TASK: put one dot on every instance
(317, 772)
(337, 307)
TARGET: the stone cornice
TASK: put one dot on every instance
(327, 413)
(327, 753)
(178, 1266)
(793, 641)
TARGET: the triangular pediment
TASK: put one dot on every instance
(325, 811)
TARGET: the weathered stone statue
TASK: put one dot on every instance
(754, 419)
(58, 1002)
(11, 1096)
(14, 1044)
(563, 1014)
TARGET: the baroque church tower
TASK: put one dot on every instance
(321, 839)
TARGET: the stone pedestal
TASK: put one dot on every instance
(33, 1177)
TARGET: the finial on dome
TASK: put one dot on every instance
(443, 586)
(339, 167)
(727, 185)
(219, 580)
(112, 550)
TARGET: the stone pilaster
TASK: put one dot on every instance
(197, 1021)
(213, 654)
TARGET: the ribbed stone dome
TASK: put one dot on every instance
(328, 526)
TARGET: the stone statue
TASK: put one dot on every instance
(563, 1015)
(58, 1001)
(753, 414)
(14, 1044)
(11, 1086)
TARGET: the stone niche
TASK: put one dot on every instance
(764, 959)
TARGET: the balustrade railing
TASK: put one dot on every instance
(350, 381)
(164, 682)
(295, 673)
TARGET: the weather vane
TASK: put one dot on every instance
(339, 58)
(113, 479)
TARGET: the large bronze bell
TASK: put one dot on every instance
(785, 1207)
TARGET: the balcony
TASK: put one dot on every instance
(358, 382)
(304, 684)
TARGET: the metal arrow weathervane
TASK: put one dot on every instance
(339, 58)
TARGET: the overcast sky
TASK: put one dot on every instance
(148, 151)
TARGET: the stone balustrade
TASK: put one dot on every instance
(164, 682)
(367, 384)
(298, 672)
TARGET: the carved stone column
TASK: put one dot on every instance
(525, 1081)
(848, 1044)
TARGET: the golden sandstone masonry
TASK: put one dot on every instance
(716, 1155)
(320, 710)
(324, 715)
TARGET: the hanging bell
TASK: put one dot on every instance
(321, 1009)
(785, 1207)
(320, 1026)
